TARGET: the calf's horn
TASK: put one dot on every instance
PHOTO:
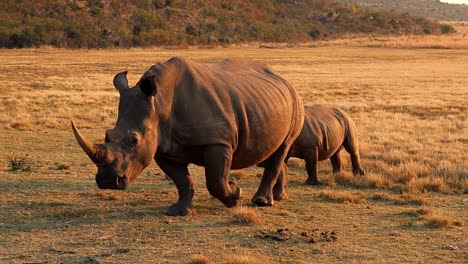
(85, 144)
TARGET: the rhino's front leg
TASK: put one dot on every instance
(217, 159)
(311, 159)
(184, 183)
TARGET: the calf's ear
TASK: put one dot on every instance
(120, 81)
(148, 85)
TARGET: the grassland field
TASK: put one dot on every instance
(410, 106)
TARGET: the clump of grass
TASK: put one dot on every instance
(429, 184)
(406, 223)
(246, 215)
(109, 196)
(438, 221)
(21, 163)
(328, 181)
(246, 259)
(345, 179)
(424, 211)
(377, 181)
(297, 163)
(341, 196)
(237, 175)
(401, 199)
(200, 259)
(381, 196)
(411, 199)
(62, 166)
(370, 180)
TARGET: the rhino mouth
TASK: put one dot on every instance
(117, 183)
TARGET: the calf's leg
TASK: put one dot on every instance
(352, 148)
(336, 162)
(311, 159)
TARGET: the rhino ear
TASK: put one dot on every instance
(120, 81)
(148, 85)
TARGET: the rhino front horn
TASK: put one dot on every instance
(85, 144)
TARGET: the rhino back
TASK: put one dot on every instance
(232, 103)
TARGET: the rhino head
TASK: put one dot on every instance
(131, 145)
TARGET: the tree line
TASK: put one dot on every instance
(130, 23)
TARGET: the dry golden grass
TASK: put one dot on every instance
(341, 196)
(247, 259)
(410, 106)
(438, 221)
(246, 215)
(200, 259)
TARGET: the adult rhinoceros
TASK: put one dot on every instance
(226, 115)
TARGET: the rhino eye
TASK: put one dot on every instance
(133, 140)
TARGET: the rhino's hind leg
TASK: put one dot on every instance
(218, 160)
(279, 192)
(351, 147)
(273, 167)
(336, 162)
(184, 183)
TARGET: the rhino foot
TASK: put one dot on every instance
(280, 196)
(311, 182)
(262, 201)
(231, 200)
(178, 210)
(359, 172)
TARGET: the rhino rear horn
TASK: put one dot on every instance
(121, 81)
(85, 144)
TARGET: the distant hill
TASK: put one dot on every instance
(127, 23)
(432, 9)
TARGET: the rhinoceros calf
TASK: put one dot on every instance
(325, 132)
(226, 115)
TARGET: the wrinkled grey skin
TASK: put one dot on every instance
(226, 115)
(325, 132)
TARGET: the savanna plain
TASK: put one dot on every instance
(410, 106)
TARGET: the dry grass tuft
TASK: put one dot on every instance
(297, 163)
(62, 166)
(370, 180)
(345, 179)
(403, 199)
(109, 196)
(246, 215)
(438, 221)
(423, 211)
(21, 163)
(411, 199)
(200, 259)
(341, 196)
(381, 196)
(429, 184)
(246, 259)
(237, 175)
